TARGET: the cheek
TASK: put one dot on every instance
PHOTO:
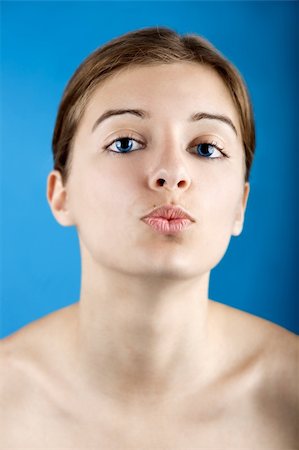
(218, 206)
(99, 197)
(222, 206)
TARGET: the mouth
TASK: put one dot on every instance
(168, 219)
(165, 226)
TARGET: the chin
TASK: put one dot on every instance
(178, 268)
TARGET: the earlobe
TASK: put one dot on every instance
(239, 221)
(57, 199)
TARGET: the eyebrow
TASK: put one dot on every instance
(145, 115)
(118, 112)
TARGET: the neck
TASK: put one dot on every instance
(143, 337)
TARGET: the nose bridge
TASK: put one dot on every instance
(169, 167)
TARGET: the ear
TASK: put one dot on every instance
(239, 220)
(57, 199)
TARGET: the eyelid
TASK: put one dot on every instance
(205, 139)
(209, 139)
(123, 135)
(126, 132)
(119, 134)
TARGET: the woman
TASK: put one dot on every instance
(153, 145)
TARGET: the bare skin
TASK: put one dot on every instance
(250, 402)
(145, 360)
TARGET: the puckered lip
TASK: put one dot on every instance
(169, 212)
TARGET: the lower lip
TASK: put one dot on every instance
(165, 226)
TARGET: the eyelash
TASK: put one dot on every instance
(208, 142)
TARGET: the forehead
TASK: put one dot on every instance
(168, 91)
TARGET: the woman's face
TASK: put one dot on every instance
(108, 192)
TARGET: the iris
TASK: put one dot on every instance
(205, 149)
(124, 144)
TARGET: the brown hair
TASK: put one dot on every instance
(147, 46)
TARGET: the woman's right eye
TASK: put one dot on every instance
(124, 145)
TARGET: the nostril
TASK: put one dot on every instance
(182, 183)
(161, 181)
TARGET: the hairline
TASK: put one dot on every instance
(88, 94)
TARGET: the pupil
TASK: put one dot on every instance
(204, 149)
(124, 144)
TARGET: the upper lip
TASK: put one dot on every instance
(170, 212)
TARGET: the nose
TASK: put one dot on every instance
(170, 173)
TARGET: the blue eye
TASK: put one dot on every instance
(208, 150)
(123, 145)
(127, 144)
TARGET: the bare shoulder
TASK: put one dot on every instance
(256, 331)
(28, 353)
(282, 370)
(32, 387)
(277, 353)
(279, 392)
(37, 335)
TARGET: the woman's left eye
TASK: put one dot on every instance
(208, 150)
(124, 145)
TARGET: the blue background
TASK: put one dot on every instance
(42, 44)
